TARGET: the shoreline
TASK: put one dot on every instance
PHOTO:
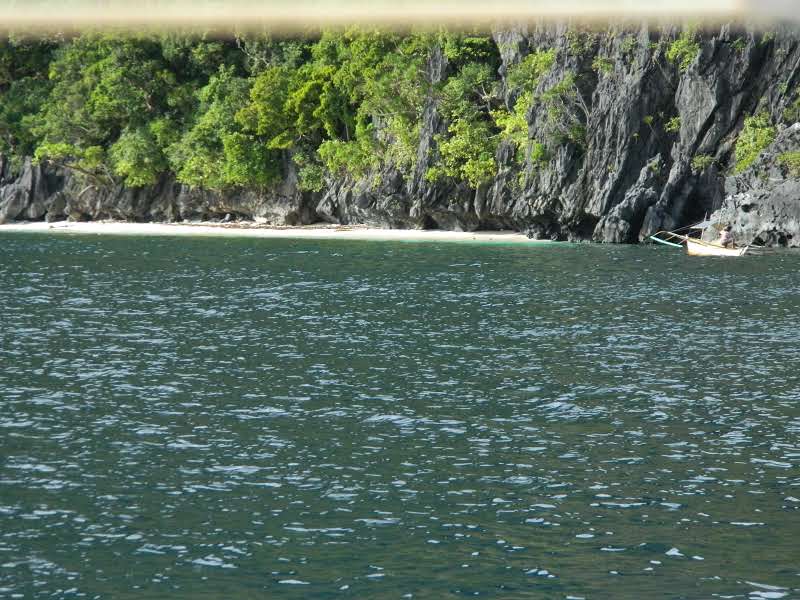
(317, 231)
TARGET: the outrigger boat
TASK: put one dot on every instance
(694, 245)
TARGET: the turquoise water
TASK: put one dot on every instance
(238, 418)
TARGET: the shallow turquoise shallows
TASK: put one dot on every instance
(205, 418)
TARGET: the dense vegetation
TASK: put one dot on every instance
(221, 112)
(216, 112)
(229, 112)
(225, 112)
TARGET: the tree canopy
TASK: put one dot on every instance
(224, 112)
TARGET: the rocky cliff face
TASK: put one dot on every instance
(657, 152)
(763, 203)
(36, 193)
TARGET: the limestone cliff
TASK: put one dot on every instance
(657, 152)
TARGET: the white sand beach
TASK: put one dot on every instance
(317, 231)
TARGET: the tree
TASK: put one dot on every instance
(24, 87)
(215, 152)
(102, 86)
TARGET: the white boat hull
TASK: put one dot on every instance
(700, 248)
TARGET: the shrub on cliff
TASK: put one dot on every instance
(467, 99)
(525, 75)
(792, 112)
(757, 133)
(684, 49)
(791, 160)
(523, 79)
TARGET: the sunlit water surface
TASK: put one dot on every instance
(238, 418)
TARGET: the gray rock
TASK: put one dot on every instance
(628, 178)
(28, 194)
(622, 223)
(763, 202)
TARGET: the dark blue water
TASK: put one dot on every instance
(234, 418)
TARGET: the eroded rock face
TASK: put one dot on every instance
(658, 146)
(763, 203)
(385, 204)
(31, 194)
(36, 193)
(622, 223)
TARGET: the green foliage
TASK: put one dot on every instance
(767, 37)
(791, 160)
(565, 111)
(539, 153)
(216, 151)
(348, 158)
(629, 45)
(461, 48)
(648, 120)
(24, 87)
(701, 162)
(581, 42)
(525, 75)
(89, 161)
(468, 100)
(18, 105)
(673, 125)
(105, 90)
(757, 133)
(683, 50)
(217, 113)
(513, 125)
(316, 106)
(137, 157)
(603, 64)
(310, 173)
(467, 154)
(247, 162)
(792, 112)
(464, 95)
(394, 96)
(514, 128)
(264, 50)
(355, 80)
(265, 114)
(739, 45)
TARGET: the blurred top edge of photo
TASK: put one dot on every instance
(298, 15)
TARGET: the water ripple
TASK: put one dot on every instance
(219, 418)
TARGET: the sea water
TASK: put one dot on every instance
(208, 418)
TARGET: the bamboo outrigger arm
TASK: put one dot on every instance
(670, 238)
